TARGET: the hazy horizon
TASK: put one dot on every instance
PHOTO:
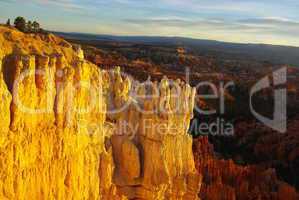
(254, 22)
(170, 36)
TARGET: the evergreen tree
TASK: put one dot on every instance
(29, 27)
(36, 27)
(20, 24)
(8, 22)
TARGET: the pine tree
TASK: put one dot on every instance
(30, 27)
(36, 27)
(8, 22)
(20, 24)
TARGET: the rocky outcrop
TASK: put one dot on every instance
(223, 179)
(5, 103)
(48, 150)
(256, 144)
(153, 137)
(61, 140)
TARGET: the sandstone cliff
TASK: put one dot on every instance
(62, 133)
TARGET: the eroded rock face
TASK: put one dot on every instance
(47, 149)
(223, 179)
(24, 93)
(155, 139)
(58, 139)
(5, 104)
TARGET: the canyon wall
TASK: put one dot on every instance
(225, 180)
(70, 130)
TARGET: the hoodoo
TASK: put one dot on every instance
(62, 133)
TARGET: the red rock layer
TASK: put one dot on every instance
(224, 180)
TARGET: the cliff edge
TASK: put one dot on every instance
(70, 130)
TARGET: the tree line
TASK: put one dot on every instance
(21, 24)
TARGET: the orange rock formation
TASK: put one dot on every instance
(59, 140)
(224, 180)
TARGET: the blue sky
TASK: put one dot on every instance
(246, 21)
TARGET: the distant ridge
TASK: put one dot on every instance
(276, 54)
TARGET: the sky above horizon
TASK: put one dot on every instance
(245, 21)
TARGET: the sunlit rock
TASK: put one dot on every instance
(59, 140)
